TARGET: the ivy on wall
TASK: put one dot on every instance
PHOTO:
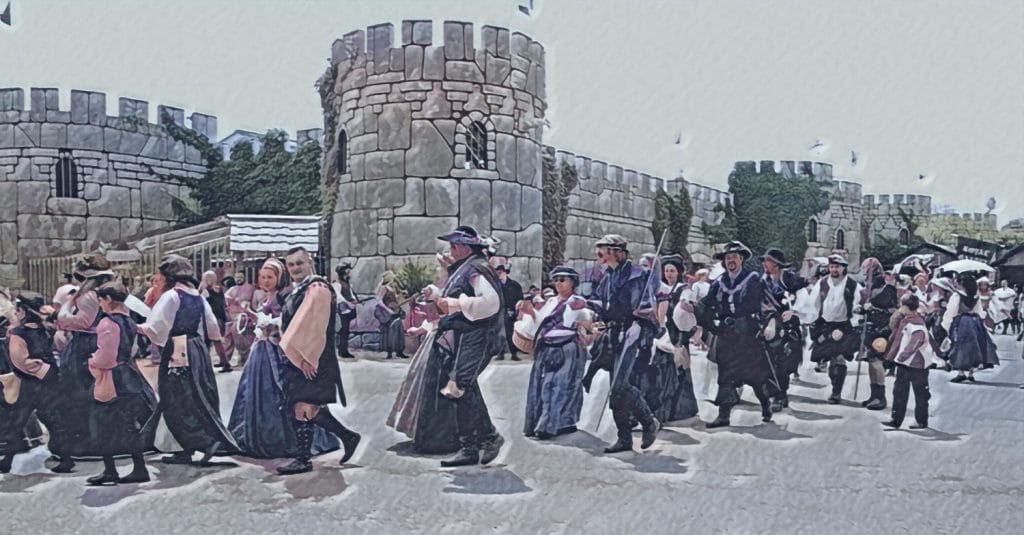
(673, 214)
(558, 186)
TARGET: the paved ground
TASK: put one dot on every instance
(817, 468)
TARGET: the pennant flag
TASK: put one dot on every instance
(5, 17)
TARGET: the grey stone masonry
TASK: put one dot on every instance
(125, 168)
(442, 121)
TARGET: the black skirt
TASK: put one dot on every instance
(189, 401)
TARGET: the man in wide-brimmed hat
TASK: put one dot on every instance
(834, 340)
(626, 306)
(346, 306)
(471, 305)
(731, 311)
(784, 339)
(512, 294)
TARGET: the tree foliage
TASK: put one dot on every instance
(769, 210)
(272, 181)
(411, 278)
(673, 214)
(558, 186)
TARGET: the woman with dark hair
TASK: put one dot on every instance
(668, 385)
(125, 404)
(32, 385)
(78, 317)
(213, 291)
(260, 420)
(555, 395)
(183, 325)
(389, 314)
(971, 346)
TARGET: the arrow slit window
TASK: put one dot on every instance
(66, 177)
(476, 145)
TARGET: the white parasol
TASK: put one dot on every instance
(964, 265)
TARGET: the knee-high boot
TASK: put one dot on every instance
(877, 401)
(349, 439)
(837, 373)
(303, 450)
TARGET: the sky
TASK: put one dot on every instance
(914, 87)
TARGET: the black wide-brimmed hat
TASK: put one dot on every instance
(463, 235)
(33, 302)
(676, 260)
(775, 255)
(732, 247)
(178, 268)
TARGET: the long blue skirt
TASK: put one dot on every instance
(971, 344)
(261, 424)
(555, 396)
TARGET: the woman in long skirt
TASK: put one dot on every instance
(125, 405)
(555, 395)
(78, 317)
(183, 325)
(260, 423)
(389, 315)
(971, 345)
(668, 386)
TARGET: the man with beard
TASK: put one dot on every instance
(473, 330)
(626, 306)
(783, 337)
(311, 378)
(880, 301)
(835, 340)
(731, 311)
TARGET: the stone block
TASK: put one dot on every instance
(53, 135)
(113, 201)
(27, 135)
(133, 143)
(341, 235)
(8, 243)
(91, 191)
(385, 193)
(385, 164)
(6, 136)
(65, 206)
(413, 62)
(530, 242)
(51, 226)
(362, 232)
(454, 41)
(102, 229)
(384, 245)
(466, 71)
(346, 198)
(414, 198)
(433, 63)
(430, 154)
(418, 235)
(507, 201)
(156, 201)
(366, 273)
(32, 197)
(475, 204)
(42, 247)
(442, 196)
(8, 201)
(506, 156)
(507, 247)
(533, 206)
(130, 227)
(527, 161)
(393, 127)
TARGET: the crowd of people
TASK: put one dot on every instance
(74, 363)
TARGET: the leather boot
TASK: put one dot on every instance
(349, 439)
(622, 444)
(65, 466)
(878, 401)
(489, 450)
(723, 417)
(871, 397)
(6, 462)
(651, 428)
(464, 457)
(838, 376)
(303, 450)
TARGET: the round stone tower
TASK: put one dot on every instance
(430, 135)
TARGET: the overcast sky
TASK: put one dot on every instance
(915, 87)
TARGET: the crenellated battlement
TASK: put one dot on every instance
(788, 168)
(89, 108)
(920, 204)
(493, 56)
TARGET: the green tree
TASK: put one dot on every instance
(770, 210)
(272, 181)
(673, 214)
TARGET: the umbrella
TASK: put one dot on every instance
(964, 265)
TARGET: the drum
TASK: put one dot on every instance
(522, 342)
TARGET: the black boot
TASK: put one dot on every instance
(6, 462)
(65, 466)
(651, 428)
(871, 397)
(624, 443)
(349, 439)
(303, 445)
(893, 424)
(777, 404)
(139, 473)
(723, 417)
(515, 356)
(879, 401)
(108, 477)
(489, 450)
(182, 457)
(466, 456)
(838, 376)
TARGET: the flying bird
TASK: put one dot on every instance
(679, 139)
(526, 9)
(853, 158)
(991, 204)
(925, 178)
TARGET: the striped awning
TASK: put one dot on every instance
(274, 233)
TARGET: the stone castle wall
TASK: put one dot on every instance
(405, 113)
(118, 161)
